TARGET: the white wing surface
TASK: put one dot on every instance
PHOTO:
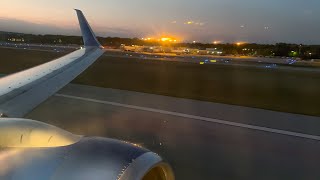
(23, 91)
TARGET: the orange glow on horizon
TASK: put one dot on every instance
(162, 39)
(217, 42)
(240, 43)
(31, 14)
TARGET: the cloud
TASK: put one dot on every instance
(193, 23)
(307, 12)
(15, 25)
(198, 31)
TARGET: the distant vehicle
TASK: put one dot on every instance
(271, 66)
(291, 61)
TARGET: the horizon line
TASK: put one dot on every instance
(187, 42)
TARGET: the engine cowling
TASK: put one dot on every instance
(58, 154)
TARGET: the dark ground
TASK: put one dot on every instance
(273, 89)
(195, 149)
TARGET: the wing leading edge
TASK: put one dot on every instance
(23, 91)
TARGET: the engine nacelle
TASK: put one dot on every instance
(35, 150)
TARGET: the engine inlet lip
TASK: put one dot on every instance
(141, 166)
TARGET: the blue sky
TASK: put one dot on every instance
(261, 21)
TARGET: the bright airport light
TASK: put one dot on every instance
(162, 39)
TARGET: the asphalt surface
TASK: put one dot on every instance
(201, 140)
(284, 63)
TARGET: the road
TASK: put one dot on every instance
(201, 140)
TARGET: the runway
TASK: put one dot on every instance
(201, 140)
(240, 125)
(277, 63)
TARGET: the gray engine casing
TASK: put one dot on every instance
(88, 158)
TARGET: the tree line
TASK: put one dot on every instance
(249, 49)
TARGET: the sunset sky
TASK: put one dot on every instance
(261, 21)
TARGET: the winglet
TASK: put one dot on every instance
(89, 38)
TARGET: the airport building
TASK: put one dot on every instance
(214, 51)
(173, 50)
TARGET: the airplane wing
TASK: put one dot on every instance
(23, 91)
(34, 150)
